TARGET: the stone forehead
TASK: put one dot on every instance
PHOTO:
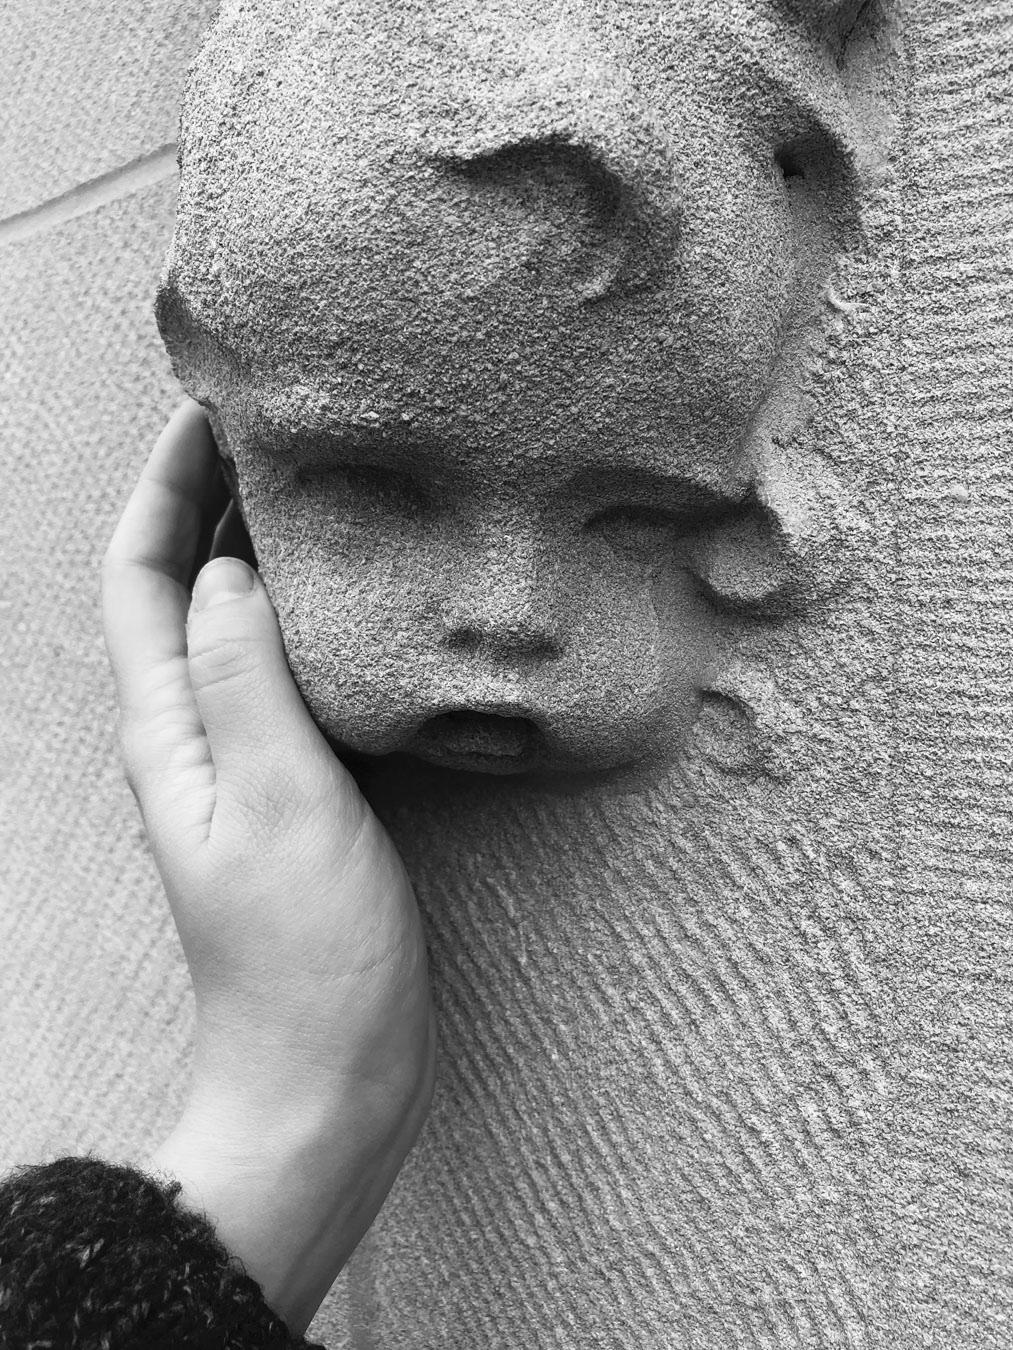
(464, 78)
(338, 108)
(310, 136)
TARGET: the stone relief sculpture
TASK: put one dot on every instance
(503, 314)
(529, 333)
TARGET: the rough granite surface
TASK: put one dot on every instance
(726, 1043)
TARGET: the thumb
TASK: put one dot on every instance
(264, 745)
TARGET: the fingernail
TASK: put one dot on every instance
(222, 579)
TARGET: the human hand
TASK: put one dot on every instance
(313, 1063)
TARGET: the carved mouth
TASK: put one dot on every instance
(488, 742)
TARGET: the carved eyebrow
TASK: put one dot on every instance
(171, 304)
(314, 444)
(178, 324)
(191, 340)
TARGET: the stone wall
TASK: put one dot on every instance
(725, 1060)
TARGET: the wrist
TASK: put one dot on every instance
(290, 1189)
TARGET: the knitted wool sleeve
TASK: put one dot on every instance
(95, 1256)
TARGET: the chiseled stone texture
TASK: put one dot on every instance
(726, 1060)
(951, 874)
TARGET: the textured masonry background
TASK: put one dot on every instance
(731, 1073)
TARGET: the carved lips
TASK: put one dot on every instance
(478, 740)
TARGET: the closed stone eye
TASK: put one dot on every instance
(678, 520)
(371, 485)
(635, 516)
(387, 487)
(651, 535)
(642, 534)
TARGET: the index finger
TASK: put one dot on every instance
(149, 560)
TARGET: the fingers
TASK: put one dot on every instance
(161, 524)
(145, 598)
(210, 713)
(148, 562)
(268, 754)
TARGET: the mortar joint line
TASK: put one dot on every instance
(91, 195)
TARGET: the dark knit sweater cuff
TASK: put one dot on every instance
(97, 1255)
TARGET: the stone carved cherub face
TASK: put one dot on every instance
(487, 303)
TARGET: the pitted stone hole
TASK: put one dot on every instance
(790, 160)
(481, 733)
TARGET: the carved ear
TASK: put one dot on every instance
(624, 240)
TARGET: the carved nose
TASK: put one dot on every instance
(507, 608)
(521, 636)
